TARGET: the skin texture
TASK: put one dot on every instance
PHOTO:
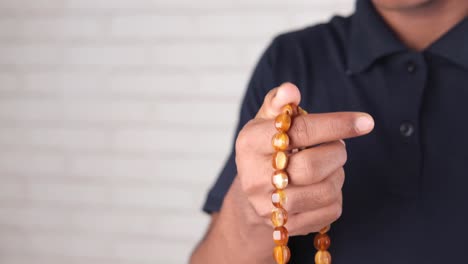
(241, 231)
(419, 23)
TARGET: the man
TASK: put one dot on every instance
(399, 64)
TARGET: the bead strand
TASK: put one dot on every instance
(280, 180)
(322, 243)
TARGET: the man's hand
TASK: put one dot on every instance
(316, 176)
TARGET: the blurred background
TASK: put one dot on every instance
(116, 116)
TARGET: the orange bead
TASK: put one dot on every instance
(279, 198)
(281, 254)
(323, 257)
(325, 229)
(321, 241)
(279, 217)
(301, 111)
(289, 109)
(280, 180)
(280, 141)
(283, 122)
(280, 236)
(280, 160)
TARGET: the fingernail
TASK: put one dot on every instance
(364, 124)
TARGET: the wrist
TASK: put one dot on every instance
(244, 233)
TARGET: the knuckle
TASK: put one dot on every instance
(341, 155)
(311, 170)
(250, 185)
(262, 211)
(300, 130)
(243, 139)
(341, 178)
(336, 211)
(325, 193)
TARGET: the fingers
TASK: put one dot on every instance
(284, 94)
(306, 130)
(313, 165)
(312, 221)
(315, 196)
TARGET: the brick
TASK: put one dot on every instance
(112, 168)
(242, 25)
(27, 54)
(200, 114)
(155, 197)
(146, 4)
(83, 194)
(195, 55)
(152, 85)
(12, 191)
(51, 27)
(33, 219)
(62, 84)
(28, 4)
(144, 169)
(12, 241)
(107, 4)
(178, 85)
(105, 55)
(177, 140)
(58, 138)
(13, 162)
(30, 109)
(106, 112)
(162, 250)
(70, 245)
(226, 84)
(154, 25)
(9, 83)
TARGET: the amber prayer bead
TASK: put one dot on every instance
(280, 180)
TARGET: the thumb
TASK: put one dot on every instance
(277, 98)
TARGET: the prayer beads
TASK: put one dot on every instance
(280, 160)
(280, 181)
(278, 198)
(279, 217)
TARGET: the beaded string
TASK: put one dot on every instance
(280, 180)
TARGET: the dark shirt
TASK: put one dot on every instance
(406, 188)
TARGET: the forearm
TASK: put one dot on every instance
(228, 245)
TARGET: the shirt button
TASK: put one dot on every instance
(410, 66)
(406, 129)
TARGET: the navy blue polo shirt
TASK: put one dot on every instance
(406, 188)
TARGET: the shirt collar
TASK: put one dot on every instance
(453, 45)
(370, 38)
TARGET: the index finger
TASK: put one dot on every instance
(311, 129)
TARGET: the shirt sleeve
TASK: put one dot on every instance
(260, 83)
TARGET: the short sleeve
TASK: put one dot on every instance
(260, 83)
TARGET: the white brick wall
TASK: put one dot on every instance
(116, 116)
